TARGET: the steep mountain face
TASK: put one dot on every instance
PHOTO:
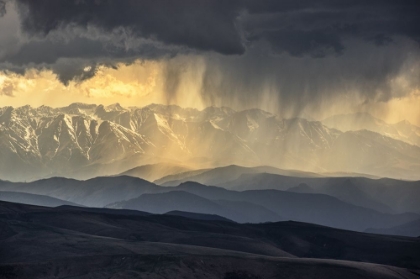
(404, 130)
(83, 141)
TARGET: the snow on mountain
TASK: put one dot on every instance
(404, 130)
(369, 152)
(407, 132)
(45, 141)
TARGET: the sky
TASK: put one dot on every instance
(293, 58)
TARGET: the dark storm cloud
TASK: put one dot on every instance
(69, 58)
(111, 32)
(199, 24)
(298, 81)
(314, 28)
(316, 43)
(302, 49)
(311, 27)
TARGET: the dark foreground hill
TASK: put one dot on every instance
(64, 242)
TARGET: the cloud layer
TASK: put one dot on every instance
(227, 27)
(284, 54)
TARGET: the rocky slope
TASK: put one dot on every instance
(84, 141)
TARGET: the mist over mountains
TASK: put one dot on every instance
(210, 139)
(208, 187)
(348, 203)
(84, 141)
(402, 130)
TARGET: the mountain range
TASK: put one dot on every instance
(355, 209)
(403, 130)
(84, 141)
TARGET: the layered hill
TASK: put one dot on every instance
(33, 199)
(385, 195)
(251, 206)
(408, 229)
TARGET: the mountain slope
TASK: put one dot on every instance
(221, 175)
(317, 208)
(383, 198)
(403, 130)
(198, 216)
(408, 229)
(384, 195)
(155, 171)
(96, 192)
(366, 151)
(242, 212)
(95, 244)
(83, 141)
(33, 199)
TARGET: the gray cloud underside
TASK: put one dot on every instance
(316, 28)
(302, 48)
(218, 25)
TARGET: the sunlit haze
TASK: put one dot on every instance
(216, 139)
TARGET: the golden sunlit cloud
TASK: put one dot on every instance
(145, 82)
(398, 109)
(107, 86)
(137, 84)
(136, 80)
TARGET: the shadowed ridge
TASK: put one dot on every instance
(117, 178)
(12, 207)
(103, 210)
(95, 192)
(33, 199)
(198, 216)
(152, 172)
(408, 229)
(225, 174)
